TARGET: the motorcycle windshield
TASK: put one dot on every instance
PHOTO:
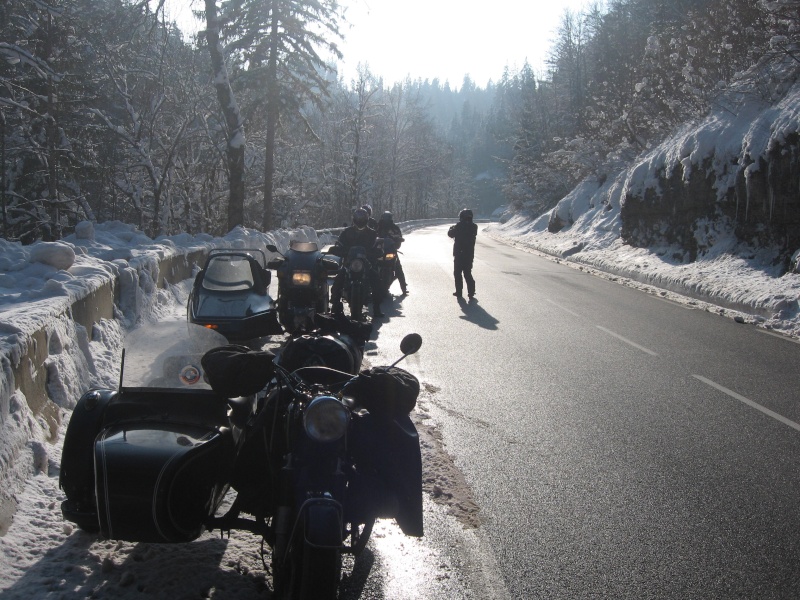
(167, 355)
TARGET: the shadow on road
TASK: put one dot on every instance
(475, 314)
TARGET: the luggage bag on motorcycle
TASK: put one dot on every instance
(160, 475)
(385, 442)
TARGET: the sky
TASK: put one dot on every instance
(443, 39)
(447, 39)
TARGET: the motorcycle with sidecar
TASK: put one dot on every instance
(305, 448)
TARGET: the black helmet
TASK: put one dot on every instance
(386, 217)
(465, 215)
(360, 217)
(368, 208)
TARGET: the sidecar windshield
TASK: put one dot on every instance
(228, 274)
(167, 355)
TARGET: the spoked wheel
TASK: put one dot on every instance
(305, 572)
(308, 573)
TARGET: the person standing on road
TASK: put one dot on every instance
(463, 234)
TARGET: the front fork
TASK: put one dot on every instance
(307, 514)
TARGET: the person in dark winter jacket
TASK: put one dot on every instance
(463, 234)
(388, 228)
(358, 234)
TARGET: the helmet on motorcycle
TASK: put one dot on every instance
(360, 218)
(386, 217)
(465, 215)
(367, 208)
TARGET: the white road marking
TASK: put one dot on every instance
(627, 341)
(574, 314)
(749, 402)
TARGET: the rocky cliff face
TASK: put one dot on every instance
(762, 206)
(727, 185)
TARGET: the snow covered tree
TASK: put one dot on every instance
(276, 45)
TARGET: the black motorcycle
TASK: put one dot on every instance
(386, 262)
(303, 289)
(309, 450)
(341, 452)
(355, 271)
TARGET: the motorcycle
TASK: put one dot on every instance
(231, 295)
(387, 261)
(341, 451)
(356, 286)
(303, 289)
(304, 449)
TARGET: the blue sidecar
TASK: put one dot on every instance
(230, 295)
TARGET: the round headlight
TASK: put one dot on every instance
(301, 278)
(326, 419)
(357, 265)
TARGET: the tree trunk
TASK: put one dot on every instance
(272, 123)
(236, 139)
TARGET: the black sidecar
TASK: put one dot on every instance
(151, 462)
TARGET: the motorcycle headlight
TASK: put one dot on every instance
(326, 419)
(301, 278)
(357, 265)
(389, 256)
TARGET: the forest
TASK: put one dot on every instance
(110, 112)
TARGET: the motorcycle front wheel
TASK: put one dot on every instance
(322, 568)
(357, 303)
(308, 573)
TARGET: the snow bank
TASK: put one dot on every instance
(39, 284)
(727, 273)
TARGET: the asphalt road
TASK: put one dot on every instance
(618, 445)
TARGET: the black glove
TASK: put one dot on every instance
(234, 370)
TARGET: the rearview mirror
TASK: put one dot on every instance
(411, 343)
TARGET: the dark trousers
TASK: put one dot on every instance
(401, 277)
(463, 267)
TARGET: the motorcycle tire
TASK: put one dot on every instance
(322, 568)
(323, 301)
(308, 573)
(357, 301)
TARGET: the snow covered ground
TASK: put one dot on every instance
(744, 285)
(42, 556)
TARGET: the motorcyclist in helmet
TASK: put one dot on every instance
(463, 234)
(358, 234)
(388, 228)
(372, 222)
